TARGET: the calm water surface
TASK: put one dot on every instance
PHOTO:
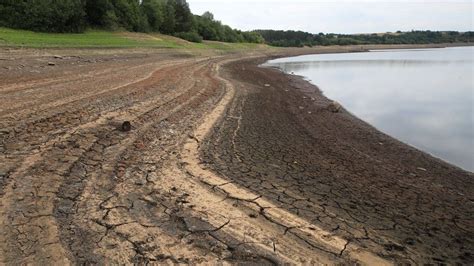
(423, 97)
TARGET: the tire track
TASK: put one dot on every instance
(27, 203)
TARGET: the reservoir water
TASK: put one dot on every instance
(423, 97)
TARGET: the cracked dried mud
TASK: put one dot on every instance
(226, 162)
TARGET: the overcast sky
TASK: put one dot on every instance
(340, 16)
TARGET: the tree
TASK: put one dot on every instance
(10, 11)
(169, 21)
(154, 11)
(44, 15)
(101, 13)
(129, 15)
(183, 16)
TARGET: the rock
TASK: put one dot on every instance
(410, 241)
(421, 169)
(126, 126)
(394, 247)
(334, 107)
(61, 146)
(140, 182)
(267, 85)
(57, 56)
(51, 64)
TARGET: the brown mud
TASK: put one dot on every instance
(225, 162)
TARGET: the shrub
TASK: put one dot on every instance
(189, 36)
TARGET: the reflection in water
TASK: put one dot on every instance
(422, 97)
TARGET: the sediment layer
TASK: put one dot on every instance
(226, 162)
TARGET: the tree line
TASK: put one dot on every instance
(174, 17)
(300, 38)
(171, 17)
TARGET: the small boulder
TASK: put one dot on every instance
(334, 107)
(126, 126)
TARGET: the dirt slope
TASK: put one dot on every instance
(217, 167)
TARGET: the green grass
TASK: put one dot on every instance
(107, 39)
(11, 37)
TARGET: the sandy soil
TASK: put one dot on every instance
(226, 162)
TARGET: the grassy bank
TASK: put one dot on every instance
(107, 39)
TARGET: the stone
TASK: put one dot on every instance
(334, 107)
(126, 126)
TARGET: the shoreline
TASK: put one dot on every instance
(265, 65)
(361, 175)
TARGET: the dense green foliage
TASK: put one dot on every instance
(172, 17)
(300, 38)
(111, 39)
(43, 15)
(189, 36)
(211, 29)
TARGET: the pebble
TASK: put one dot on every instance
(267, 85)
(334, 107)
(126, 126)
(421, 169)
(51, 64)
(140, 182)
